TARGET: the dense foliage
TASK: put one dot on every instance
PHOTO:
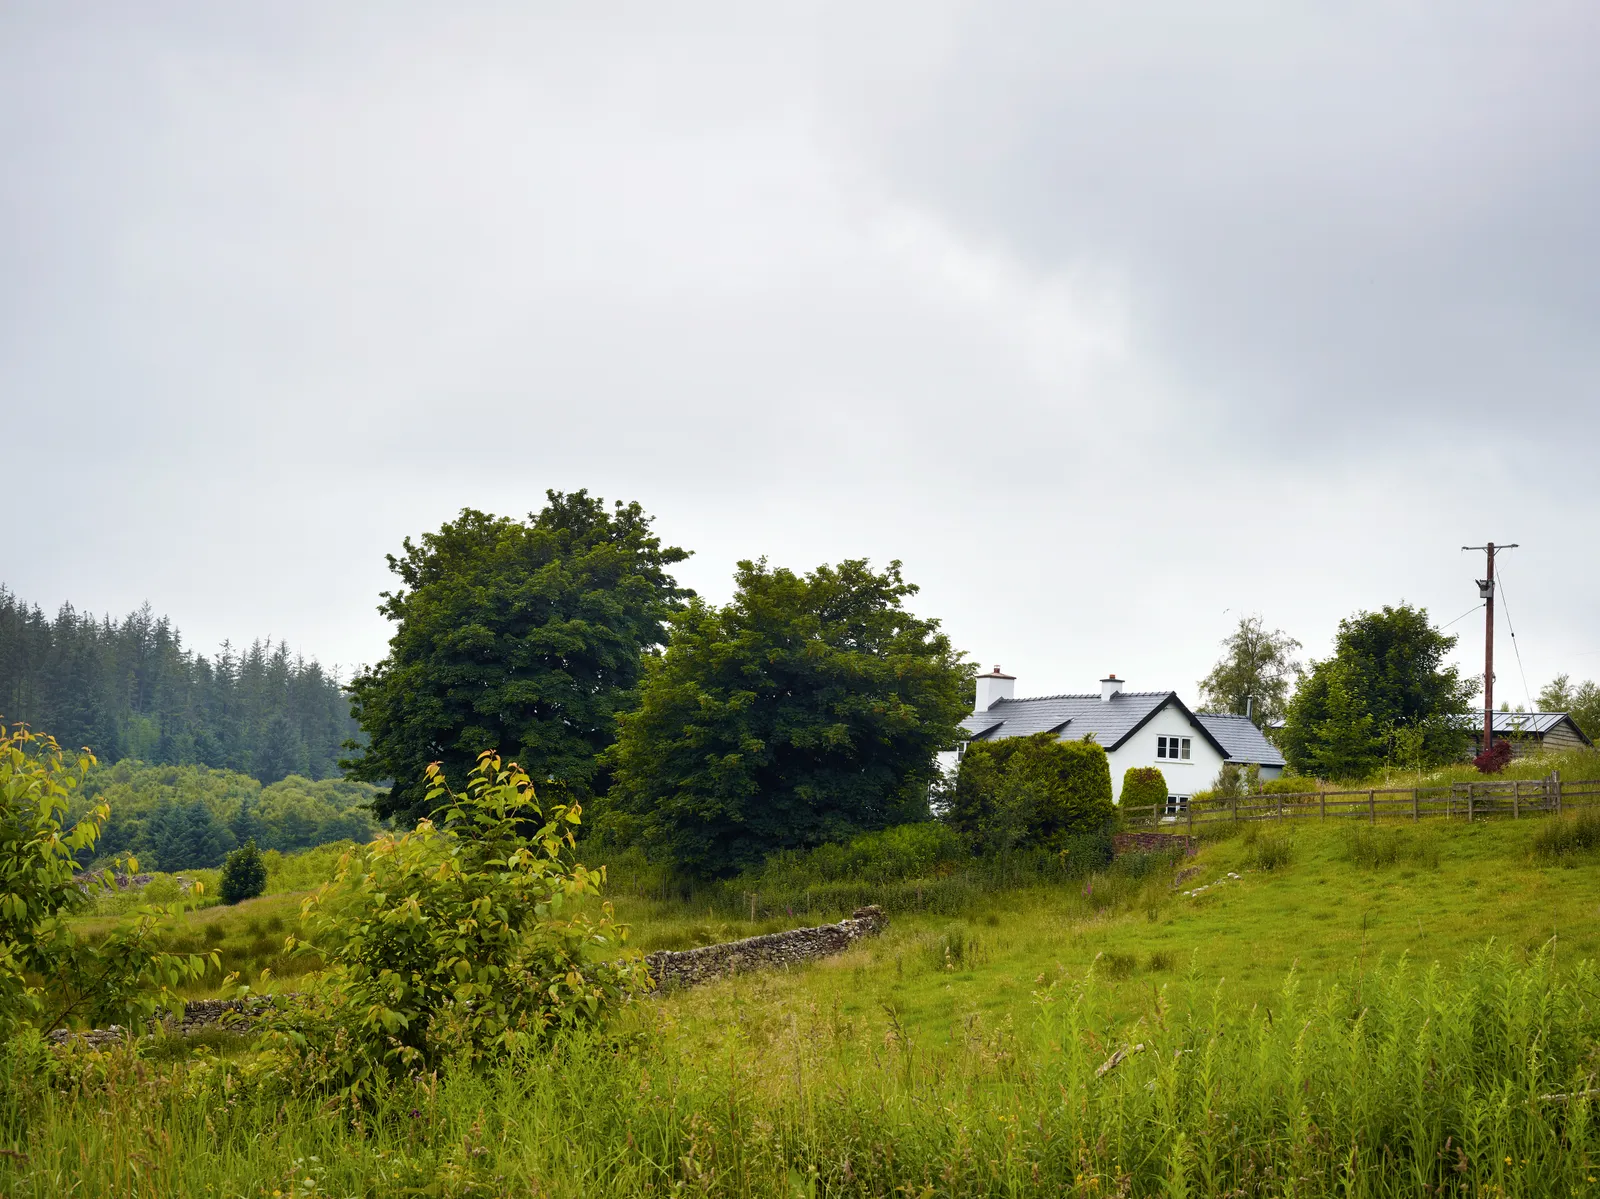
(464, 935)
(51, 974)
(244, 874)
(807, 710)
(1385, 695)
(1581, 701)
(1254, 674)
(1143, 787)
(529, 636)
(190, 817)
(130, 689)
(1032, 791)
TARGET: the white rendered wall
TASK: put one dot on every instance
(1183, 778)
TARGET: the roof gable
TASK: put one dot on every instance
(1109, 722)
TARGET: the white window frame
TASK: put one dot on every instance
(1177, 805)
(1166, 743)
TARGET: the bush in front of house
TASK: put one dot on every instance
(1144, 787)
(1032, 791)
(1494, 759)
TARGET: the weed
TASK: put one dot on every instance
(1271, 847)
(1566, 837)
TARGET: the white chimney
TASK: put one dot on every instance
(992, 687)
(1110, 686)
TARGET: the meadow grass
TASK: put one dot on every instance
(1314, 1009)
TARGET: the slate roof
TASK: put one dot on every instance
(1113, 721)
(1240, 737)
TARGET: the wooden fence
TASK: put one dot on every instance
(1513, 798)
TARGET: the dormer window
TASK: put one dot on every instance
(1175, 749)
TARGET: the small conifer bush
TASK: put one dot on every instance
(244, 874)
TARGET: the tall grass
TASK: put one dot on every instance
(1478, 1080)
(1568, 837)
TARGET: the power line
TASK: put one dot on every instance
(1504, 599)
(1463, 616)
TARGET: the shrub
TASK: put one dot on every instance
(244, 874)
(1143, 787)
(1568, 836)
(52, 976)
(460, 936)
(906, 851)
(1494, 759)
(1035, 790)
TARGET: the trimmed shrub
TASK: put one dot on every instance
(1037, 790)
(244, 874)
(1143, 787)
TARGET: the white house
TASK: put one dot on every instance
(1136, 728)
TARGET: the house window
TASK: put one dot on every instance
(1174, 748)
(1177, 805)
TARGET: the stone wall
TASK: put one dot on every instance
(670, 968)
(1122, 843)
(198, 1014)
(686, 967)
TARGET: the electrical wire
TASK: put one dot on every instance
(1504, 603)
(1462, 617)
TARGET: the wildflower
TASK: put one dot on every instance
(415, 1112)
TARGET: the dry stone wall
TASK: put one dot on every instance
(1153, 843)
(686, 967)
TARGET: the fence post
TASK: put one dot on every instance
(1555, 785)
(1416, 806)
(1323, 796)
(1280, 807)
(1516, 800)
(1189, 806)
(1372, 805)
(1472, 791)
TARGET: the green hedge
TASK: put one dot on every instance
(1038, 791)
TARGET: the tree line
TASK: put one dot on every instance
(190, 817)
(132, 689)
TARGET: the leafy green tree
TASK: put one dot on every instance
(51, 974)
(1254, 674)
(1387, 674)
(1032, 791)
(528, 635)
(244, 874)
(1581, 701)
(466, 935)
(807, 710)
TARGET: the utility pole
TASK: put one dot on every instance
(1486, 592)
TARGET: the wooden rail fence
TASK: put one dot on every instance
(1468, 801)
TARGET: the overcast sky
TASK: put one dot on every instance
(1113, 321)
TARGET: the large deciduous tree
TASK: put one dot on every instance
(807, 710)
(524, 636)
(1254, 674)
(1386, 686)
(1581, 701)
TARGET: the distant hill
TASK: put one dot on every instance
(131, 689)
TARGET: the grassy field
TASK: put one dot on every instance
(1421, 990)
